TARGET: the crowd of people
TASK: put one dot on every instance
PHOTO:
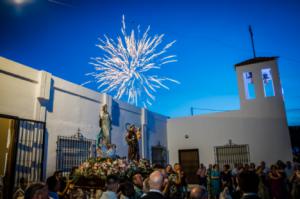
(280, 181)
(243, 181)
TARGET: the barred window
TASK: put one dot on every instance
(72, 151)
(231, 154)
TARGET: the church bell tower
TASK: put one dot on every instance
(259, 87)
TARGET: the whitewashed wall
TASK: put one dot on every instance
(156, 132)
(67, 107)
(123, 113)
(153, 125)
(76, 107)
(22, 88)
(268, 138)
(71, 107)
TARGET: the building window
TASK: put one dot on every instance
(72, 151)
(232, 154)
(249, 85)
(268, 85)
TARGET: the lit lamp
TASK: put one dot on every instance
(20, 2)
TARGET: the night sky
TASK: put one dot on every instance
(59, 36)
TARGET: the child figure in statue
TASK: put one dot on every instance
(111, 152)
(102, 149)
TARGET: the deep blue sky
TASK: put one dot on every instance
(211, 37)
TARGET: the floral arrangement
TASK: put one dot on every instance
(102, 167)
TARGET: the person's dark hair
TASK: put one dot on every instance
(23, 183)
(273, 166)
(227, 166)
(157, 166)
(52, 183)
(73, 170)
(127, 189)
(252, 164)
(134, 175)
(22, 180)
(280, 164)
(56, 173)
(248, 182)
(111, 179)
(34, 189)
(215, 166)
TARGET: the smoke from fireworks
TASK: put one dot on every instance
(123, 71)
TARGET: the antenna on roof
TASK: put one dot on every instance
(252, 40)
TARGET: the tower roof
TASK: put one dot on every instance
(255, 60)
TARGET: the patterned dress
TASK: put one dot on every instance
(215, 183)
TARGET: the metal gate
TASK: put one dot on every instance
(73, 150)
(25, 152)
(231, 154)
(30, 151)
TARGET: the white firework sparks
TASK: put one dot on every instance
(123, 71)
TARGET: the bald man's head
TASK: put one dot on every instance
(198, 192)
(156, 180)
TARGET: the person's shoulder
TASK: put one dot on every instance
(251, 197)
(109, 195)
(152, 195)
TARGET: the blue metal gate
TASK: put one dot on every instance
(73, 150)
(30, 151)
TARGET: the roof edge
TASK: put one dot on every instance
(256, 60)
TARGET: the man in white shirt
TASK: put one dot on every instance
(201, 173)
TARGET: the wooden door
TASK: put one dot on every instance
(189, 161)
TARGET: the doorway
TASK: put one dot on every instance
(189, 161)
(7, 147)
(21, 153)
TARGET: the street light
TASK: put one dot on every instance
(20, 2)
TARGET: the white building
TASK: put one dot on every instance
(36, 101)
(31, 100)
(260, 124)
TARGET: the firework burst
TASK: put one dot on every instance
(124, 69)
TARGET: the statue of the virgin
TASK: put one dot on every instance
(105, 127)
